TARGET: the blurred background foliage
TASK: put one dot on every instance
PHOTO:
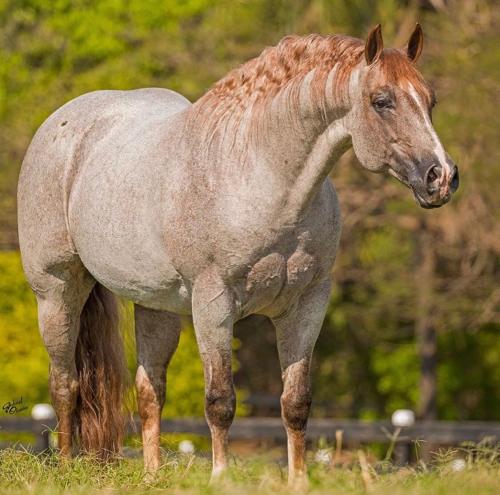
(413, 320)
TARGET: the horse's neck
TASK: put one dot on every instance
(292, 148)
(326, 150)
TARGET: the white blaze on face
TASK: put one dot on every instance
(438, 147)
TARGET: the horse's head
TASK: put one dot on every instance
(391, 124)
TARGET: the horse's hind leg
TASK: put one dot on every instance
(157, 336)
(60, 304)
(296, 333)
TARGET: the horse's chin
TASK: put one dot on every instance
(425, 204)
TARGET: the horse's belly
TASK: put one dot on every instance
(165, 295)
(139, 272)
(175, 298)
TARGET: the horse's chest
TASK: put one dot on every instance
(277, 278)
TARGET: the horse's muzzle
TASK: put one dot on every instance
(434, 185)
(437, 186)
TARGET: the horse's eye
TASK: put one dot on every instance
(382, 103)
(433, 104)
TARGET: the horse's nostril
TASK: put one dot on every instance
(455, 180)
(431, 177)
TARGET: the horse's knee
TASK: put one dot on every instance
(296, 397)
(295, 407)
(220, 406)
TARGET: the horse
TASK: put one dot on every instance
(218, 209)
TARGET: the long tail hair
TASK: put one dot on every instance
(99, 416)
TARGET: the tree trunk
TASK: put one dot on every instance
(424, 328)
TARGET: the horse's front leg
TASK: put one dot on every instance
(157, 336)
(213, 317)
(296, 333)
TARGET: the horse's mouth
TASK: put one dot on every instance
(425, 204)
(418, 198)
(402, 179)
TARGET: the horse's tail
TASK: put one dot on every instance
(99, 417)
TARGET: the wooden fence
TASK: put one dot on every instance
(354, 431)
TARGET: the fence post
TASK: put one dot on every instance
(402, 418)
(42, 413)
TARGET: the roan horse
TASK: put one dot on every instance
(217, 209)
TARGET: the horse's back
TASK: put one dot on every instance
(55, 155)
(137, 103)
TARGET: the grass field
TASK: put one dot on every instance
(24, 473)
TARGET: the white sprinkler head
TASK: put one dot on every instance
(43, 412)
(323, 456)
(186, 447)
(403, 418)
(458, 465)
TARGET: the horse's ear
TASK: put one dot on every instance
(374, 45)
(415, 43)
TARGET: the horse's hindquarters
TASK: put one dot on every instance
(75, 202)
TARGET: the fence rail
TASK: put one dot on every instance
(354, 431)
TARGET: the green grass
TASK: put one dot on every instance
(25, 473)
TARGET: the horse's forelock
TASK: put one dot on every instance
(394, 67)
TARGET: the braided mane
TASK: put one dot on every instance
(248, 89)
(290, 60)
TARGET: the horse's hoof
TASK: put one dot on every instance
(150, 476)
(219, 474)
(299, 483)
